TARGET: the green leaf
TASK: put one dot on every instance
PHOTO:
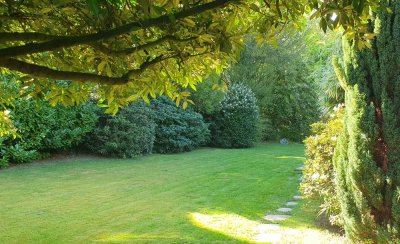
(323, 25)
(178, 101)
(101, 66)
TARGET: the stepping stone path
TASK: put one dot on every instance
(263, 228)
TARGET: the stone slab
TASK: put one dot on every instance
(297, 197)
(276, 217)
(285, 210)
(291, 203)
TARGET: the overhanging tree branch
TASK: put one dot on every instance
(131, 50)
(63, 42)
(26, 36)
(147, 64)
(39, 71)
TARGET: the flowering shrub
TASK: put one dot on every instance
(319, 174)
(236, 125)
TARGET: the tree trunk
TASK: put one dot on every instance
(367, 158)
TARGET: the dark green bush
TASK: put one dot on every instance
(236, 125)
(42, 128)
(70, 126)
(177, 130)
(319, 173)
(18, 154)
(128, 134)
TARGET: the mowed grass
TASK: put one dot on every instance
(205, 196)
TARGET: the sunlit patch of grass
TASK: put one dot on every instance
(232, 225)
(251, 231)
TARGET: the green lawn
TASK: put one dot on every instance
(209, 195)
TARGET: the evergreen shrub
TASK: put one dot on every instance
(177, 129)
(42, 128)
(128, 134)
(236, 124)
(367, 154)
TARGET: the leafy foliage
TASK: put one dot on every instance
(42, 128)
(320, 50)
(141, 129)
(140, 49)
(17, 154)
(319, 174)
(235, 126)
(9, 90)
(128, 134)
(177, 130)
(279, 76)
(208, 96)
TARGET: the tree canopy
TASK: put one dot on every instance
(121, 50)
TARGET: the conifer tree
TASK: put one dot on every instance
(367, 158)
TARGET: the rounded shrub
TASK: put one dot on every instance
(236, 125)
(177, 129)
(128, 134)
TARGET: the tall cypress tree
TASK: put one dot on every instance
(367, 158)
